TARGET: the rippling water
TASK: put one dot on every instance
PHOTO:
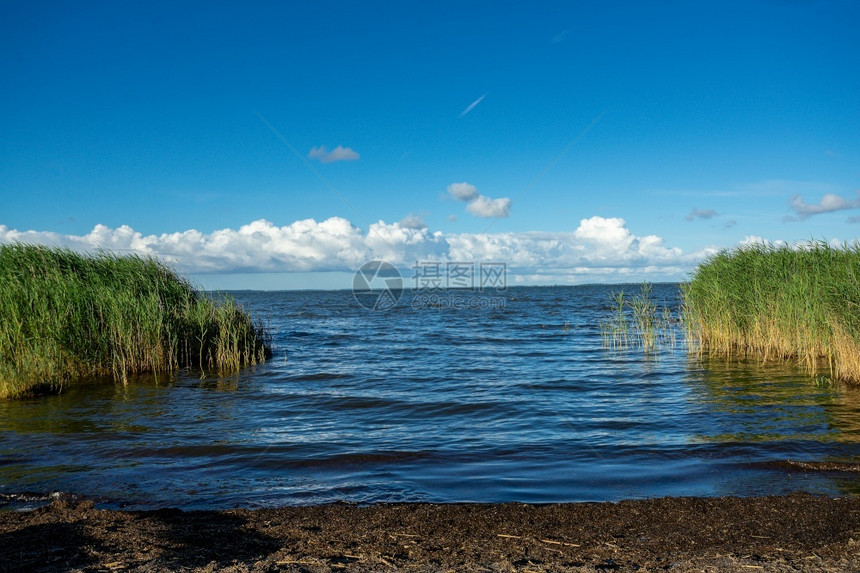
(515, 403)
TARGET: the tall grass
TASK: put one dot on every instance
(639, 321)
(66, 316)
(780, 303)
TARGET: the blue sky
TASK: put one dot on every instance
(688, 126)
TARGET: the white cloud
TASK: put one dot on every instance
(472, 105)
(463, 191)
(599, 249)
(701, 214)
(489, 208)
(612, 231)
(479, 205)
(829, 202)
(339, 153)
(751, 240)
(412, 221)
(834, 243)
(259, 246)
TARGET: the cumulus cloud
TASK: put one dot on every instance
(472, 105)
(601, 230)
(463, 191)
(598, 249)
(489, 208)
(339, 153)
(701, 214)
(412, 221)
(829, 203)
(479, 205)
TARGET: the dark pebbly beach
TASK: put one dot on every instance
(797, 532)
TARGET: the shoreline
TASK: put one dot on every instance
(775, 533)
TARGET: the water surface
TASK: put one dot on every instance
(516, 401)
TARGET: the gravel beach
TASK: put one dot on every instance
(798, 532)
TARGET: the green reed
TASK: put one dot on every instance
(797, 302)
(65, 316)
(638, 321)
(615, 332)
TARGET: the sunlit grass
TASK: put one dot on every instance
(638, 321)
(66, 316)
(780, 303)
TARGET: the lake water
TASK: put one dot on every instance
(506, 396)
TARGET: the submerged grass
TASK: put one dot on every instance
(780, 303)
(66, 316)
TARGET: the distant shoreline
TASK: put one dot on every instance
(775, 533)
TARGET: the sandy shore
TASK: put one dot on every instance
(797, 532)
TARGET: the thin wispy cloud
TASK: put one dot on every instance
(701, 214)
(339, 153)
(769, 188)
(559, 38)
(829, 203)
(472, 105)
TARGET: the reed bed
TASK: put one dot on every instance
(798, 302)
(65, 316)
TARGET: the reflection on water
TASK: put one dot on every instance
(422, 404)
(760, 402)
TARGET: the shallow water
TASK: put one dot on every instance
(515, 403)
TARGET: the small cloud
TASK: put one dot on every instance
(472, 105)
(463, 191)
(489, 208)
(828, 204)
(729, 224)
(701, 214)
(559, 38)
(852, 220)
(411, 221)
(452, 217)
(339, 153)
(479, 205)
